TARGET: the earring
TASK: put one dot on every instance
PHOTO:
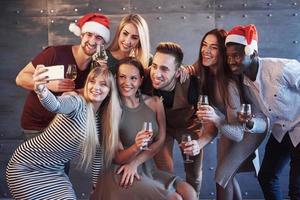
(138, 93)
(132, 53)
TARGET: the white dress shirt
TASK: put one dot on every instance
(276, 90)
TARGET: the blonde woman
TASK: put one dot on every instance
(131, 39)
(36, 169)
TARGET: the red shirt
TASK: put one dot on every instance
(35, 116)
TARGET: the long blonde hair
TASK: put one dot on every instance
(109, 124)
(142, 51)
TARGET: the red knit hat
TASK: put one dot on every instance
(94, 23)
(246, 35)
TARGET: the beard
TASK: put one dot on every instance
(87, 50)
(169, 85)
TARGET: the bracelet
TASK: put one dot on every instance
(39, 90)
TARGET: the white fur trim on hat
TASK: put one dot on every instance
(236, 39)
(95, 27)
(74, 29)
(249, 48)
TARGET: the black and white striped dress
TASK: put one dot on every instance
(36, 169)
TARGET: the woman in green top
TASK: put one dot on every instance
(134, 175)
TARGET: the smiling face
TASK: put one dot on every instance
(97, 89)
(163, 70)
(128, 38)
(210, 51)
(89, 42)
(129, 80)
(237, 60)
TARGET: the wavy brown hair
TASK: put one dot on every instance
(208, 80)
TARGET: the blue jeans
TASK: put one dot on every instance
(277, 155)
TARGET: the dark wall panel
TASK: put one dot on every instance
(184, 28)
(278, 30)
(28, 26)
(21, 38)
(23, 8)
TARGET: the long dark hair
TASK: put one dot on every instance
(131, 61)
(137, 64)
(208, 80)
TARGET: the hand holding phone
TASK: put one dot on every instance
(55, 72)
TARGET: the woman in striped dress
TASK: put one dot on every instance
(36, 169)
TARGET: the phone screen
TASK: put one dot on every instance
(55, 72)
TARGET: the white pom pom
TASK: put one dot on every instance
(249, 50)
(74, 29)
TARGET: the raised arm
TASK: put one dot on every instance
(24, 78)
(63, 104)
(191, 69)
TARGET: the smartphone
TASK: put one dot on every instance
(55, 72)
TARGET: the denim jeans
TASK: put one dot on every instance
(277, 155)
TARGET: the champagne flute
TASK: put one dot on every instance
(245, 114)
(102, 53)
(149, 130)
(71, 72)
(184, 139)
(202, 100)
(99, 55)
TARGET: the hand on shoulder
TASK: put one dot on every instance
(153, 102)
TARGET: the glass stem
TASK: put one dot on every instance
(187, 157)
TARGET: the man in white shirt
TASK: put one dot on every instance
(274, 85)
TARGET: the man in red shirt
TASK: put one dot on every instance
(93, 29)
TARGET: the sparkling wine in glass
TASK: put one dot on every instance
(202, 100)
(147, 126)
(99, 55)
(245, 114)
(102, 53)
(184, 139)
(71, 72)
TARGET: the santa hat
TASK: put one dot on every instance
(93, 23)
(246, 35)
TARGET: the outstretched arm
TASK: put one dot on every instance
(25, 80)
(64, 104)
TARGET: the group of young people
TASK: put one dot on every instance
(101, 114)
